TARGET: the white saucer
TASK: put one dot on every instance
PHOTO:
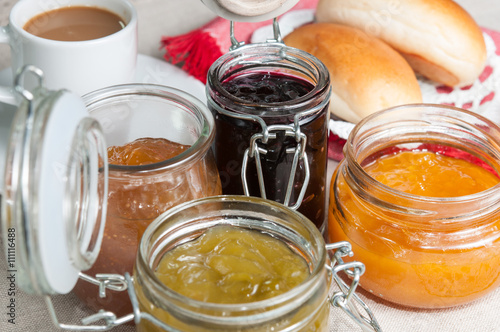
(157, 71)
(152, 71)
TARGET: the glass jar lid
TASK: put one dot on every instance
(249, 10)
(55, 188)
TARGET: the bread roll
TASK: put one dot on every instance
(438, 38)
(366, 74)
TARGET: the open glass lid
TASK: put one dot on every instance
(53, 204)
(249, 10)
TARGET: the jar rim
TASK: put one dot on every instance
(242, 57)
(143, 263)
(199, 109)
(358, 135)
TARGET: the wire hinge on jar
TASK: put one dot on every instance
(114, 282)
(254, 151)
(118, 283)
(347, 299)
(235, 43)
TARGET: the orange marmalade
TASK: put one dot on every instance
(405, 220)
(430, 174)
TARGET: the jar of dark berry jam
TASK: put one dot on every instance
(270, 104)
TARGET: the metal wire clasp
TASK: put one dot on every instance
(114, 282)
(346, 298)
(254, 151)
(235, 43)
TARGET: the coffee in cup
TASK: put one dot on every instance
(83, 65)
(76, 23)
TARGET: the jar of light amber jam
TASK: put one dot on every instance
(417, 195)
(215, 275)
(140, 186)
(270, 104)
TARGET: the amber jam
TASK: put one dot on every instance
(131, 208)
(159, 156)
(431, 174)
(420, 205)
(144, 151)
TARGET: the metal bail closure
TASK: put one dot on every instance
(254, 151)
(347, 299)
(276, 33)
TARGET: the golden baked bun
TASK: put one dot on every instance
(438, 38)
(366, 74)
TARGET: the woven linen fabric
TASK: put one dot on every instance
(480, 316)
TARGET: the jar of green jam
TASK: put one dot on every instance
(245, 264)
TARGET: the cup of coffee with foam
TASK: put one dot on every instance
(80, 45)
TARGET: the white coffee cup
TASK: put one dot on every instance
(79, 66)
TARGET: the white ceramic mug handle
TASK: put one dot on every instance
(7, 94)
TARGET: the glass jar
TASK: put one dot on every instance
(138, 194)
(54, 189)
(419, 251)
(274, 149)
(304, 308)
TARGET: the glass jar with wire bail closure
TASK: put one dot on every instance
(210, 265)
(159, 154)
(418, 197)
(270, 104)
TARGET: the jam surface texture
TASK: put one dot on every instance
(231, 265)
(430, 174)
(238, 278)
(266, 88)
(144, 151)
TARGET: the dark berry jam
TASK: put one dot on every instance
(264, 94)
(267, 88)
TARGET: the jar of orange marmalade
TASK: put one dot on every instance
(159, 153)
(418, 197)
